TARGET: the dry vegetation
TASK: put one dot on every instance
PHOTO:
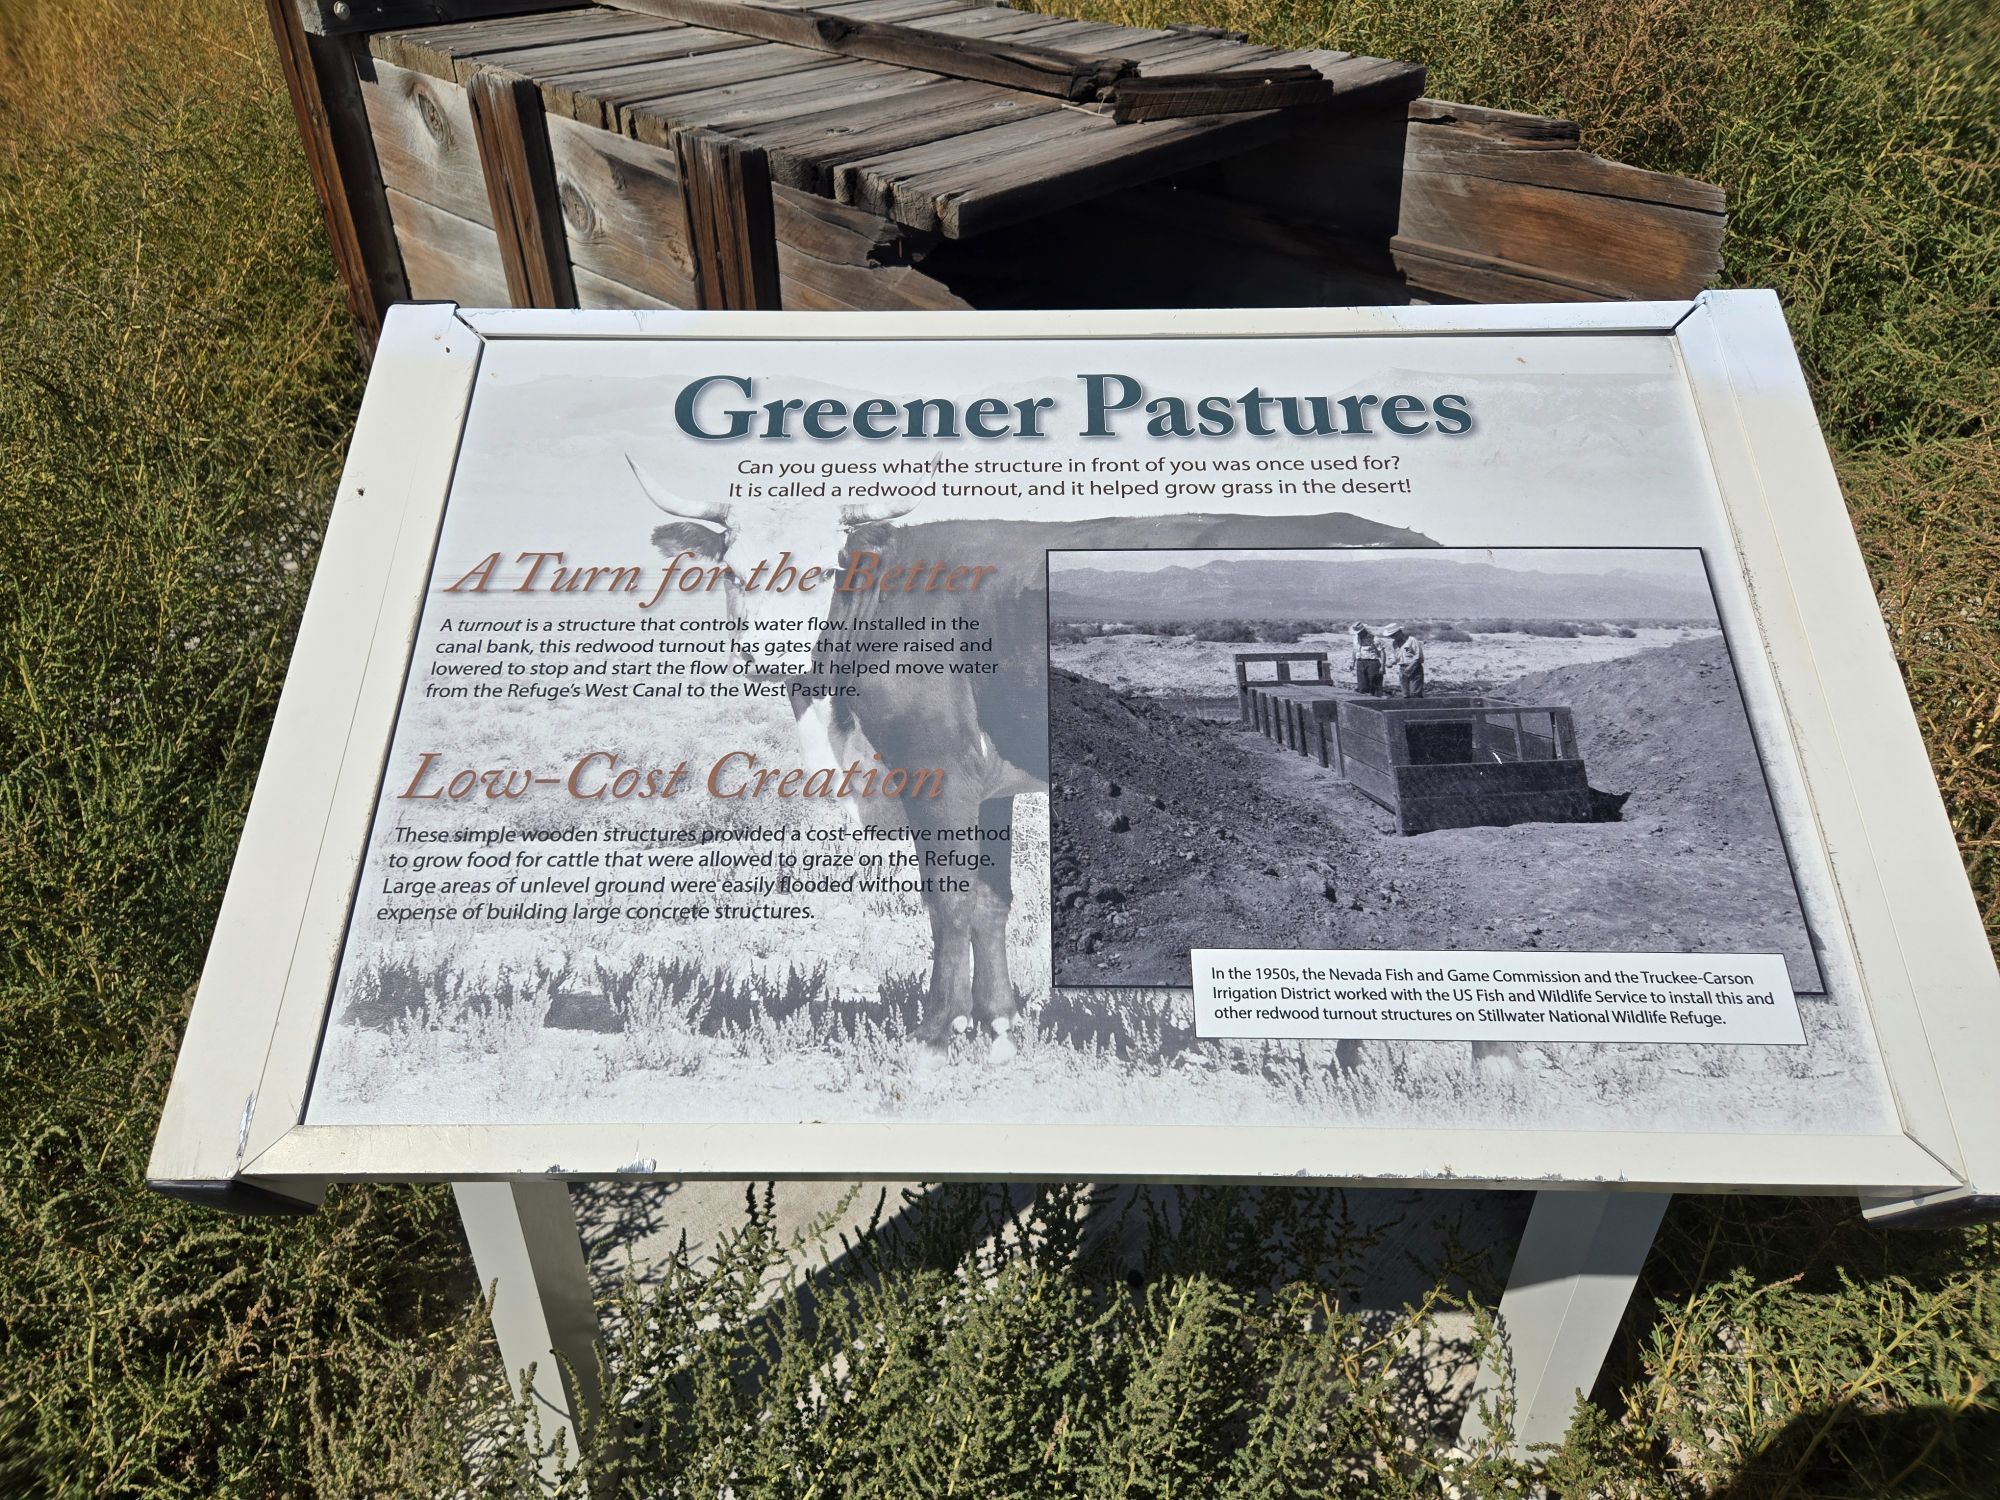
(175, 384)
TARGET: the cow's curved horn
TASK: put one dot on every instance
(714, 512)
(881, 510)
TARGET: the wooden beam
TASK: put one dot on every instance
(726, 188)
(1034, 70)
(513, 140)
(322, 75)
(1181, 95)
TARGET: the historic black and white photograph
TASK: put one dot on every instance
(1402, 750)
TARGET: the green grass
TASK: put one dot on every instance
(175, 386)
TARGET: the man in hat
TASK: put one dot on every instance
(1367, 661)
(1409, 657)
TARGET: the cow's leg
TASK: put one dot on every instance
(993, 892)
(950, 996)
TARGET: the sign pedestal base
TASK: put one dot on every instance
(528, 1251)
(1580, 1257)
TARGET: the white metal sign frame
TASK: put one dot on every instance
(232, 1130)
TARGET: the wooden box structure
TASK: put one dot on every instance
(933, 154)
(1444, 762)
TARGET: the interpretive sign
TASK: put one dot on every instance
(1392, 745)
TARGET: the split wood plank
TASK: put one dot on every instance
(323, 77)
(1504, 124)
(1469, 154)
(726, 187)
(513, 139)
(448, 258)
(1008, 65)
(1493, 207)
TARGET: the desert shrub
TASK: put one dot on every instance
(977, 1344)
(1626, 632)
(1069, 635)
(1222, 630)
(1449, 634)
(1286, 632)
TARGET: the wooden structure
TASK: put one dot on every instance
(1444, 762)
(933, 154)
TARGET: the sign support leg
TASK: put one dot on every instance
(1579, 1259)
(527, 1247)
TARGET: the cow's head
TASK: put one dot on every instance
(742, 534)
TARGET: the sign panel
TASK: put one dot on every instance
(796, 741)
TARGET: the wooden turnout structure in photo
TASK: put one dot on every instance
(934, 154)
(1433, 762)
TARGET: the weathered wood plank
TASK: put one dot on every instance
(1143, 98)
(904, 183)
(648, 38)
(437, 50)
(594, 291)
(631, 94)
(750, 110)
(973, 184)
(595, 96)
(448, 258)
(1362, 84)
(808, 151)
(813, 285)
(1467, 154)
(1439, 270)
(424, 139)
(1491, 208)
(726, 187)
(323, 77)
(513, 141)
(623, 212)
(622, 204)
(1007, 64)
(1504, 124)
